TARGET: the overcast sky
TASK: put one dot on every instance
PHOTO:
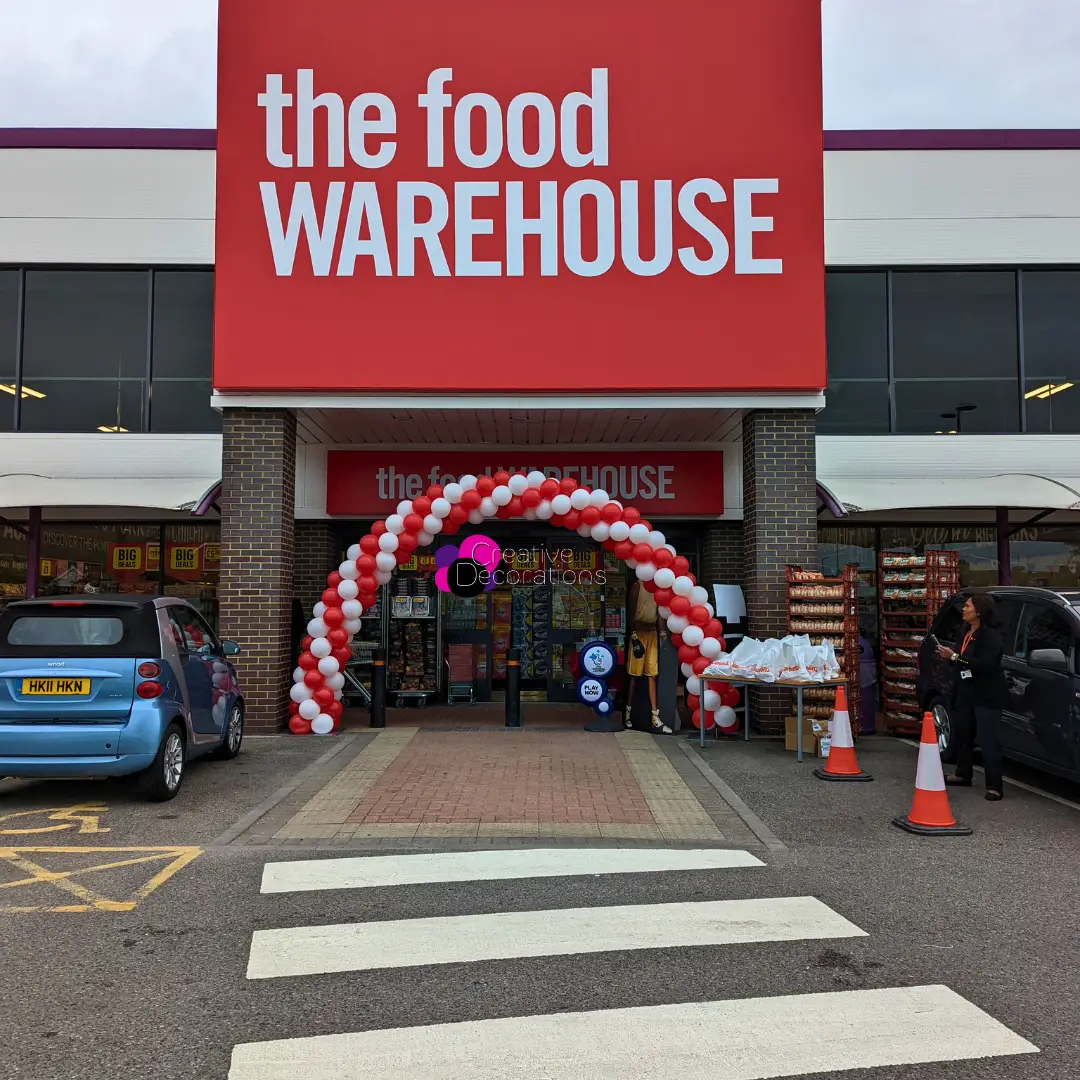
(888, 63)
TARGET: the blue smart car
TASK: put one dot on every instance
(95, 685)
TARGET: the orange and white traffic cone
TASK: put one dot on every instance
(930, 814)
(841, 763)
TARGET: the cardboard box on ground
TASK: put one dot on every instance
(814, 729)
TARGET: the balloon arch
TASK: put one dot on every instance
(318, 681)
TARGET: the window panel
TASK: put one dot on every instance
(1052, 323)
(988, 406)
(1043, 628)
(192, 566)
(1053, 405)
(183, 324)
(85, 324)
(183, 405)
(82, 405)
(856, 325)
(954, 324)
(855, 408)
(9, 321)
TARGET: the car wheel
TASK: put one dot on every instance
(162, 780)
(234, 735)
(943, 725)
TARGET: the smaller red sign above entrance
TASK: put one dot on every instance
(688, 483)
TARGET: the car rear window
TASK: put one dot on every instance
(78, 631)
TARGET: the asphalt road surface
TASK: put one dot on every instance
(858, 947)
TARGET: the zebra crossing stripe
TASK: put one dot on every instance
(382, 870)
(316, 950)
(745, 1039)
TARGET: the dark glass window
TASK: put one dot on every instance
(1043, 628)
(856, 325)
(183, 324)
(180, 405)
(1052, 324)
(855, 408)
(988, 406)
(9, 320)
(954, 325)
(1052, 405)
(82, 405)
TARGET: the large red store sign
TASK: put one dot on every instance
(573, 194)
(370, 483)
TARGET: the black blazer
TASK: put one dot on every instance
(983, 659)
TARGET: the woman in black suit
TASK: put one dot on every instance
(979, 693)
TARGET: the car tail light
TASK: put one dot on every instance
(149, 689)
(67, 603)
(149, 670)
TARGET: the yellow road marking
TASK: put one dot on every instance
(85, 818)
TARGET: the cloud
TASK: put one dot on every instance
(887, 63)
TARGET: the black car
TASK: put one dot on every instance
(1041, 631)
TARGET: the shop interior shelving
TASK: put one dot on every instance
(911, 591)
(827, 609)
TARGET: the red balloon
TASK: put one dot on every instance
(643, 553)
(324, 696)
(342, 655)
(366, 564)
(434, 492)
(624, 549)
(331, 598)
(557, 520)
(699, 615)
(611, 512)
(407, 541)
(500, 477)
(503, 512)
(549, 488)
(723, 644)
(449, 527)
(378, 529)
(485, 485)
(650, 586)
(421, 506)
(680, 606)
(680, 565)
(471, 499)
(458, 515)
(413, 523)
(677, 641)
(516, 506)
(590, 516)
(609, 544)
(335, 709)
(695, 719)
(306, 641)
(299, 726)
(333, 580)
(663, 557)
(568, 486)
(294, 708)
(700, 664)
(713, 628)
(572, 519)
(367, 585)
(338, 637)
(693, 580)
(370, 544)
(730, 698)
(402, 556)
(687, 654)
(693, 700)
(663, 597)
(532, 498)
(631, 516)
(366, 600)
(313, 679)
(333, 616)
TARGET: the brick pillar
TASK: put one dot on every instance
(779, 528)
(257, 551)
(316, 555)
(722, 554)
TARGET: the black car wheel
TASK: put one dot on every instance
(162, 780)
(234, 735)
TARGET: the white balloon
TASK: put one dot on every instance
(664, 612)
(385, 561)
(639, 534)
(440, 508)
(584, 530)
(476, 516)
(348, 571)
(432, 525)
(683, 586)
(560, 504)
(348, 590)
(579, 498)
(404, 507)
(298, 674)
(655, 539)
(328, 665)
(709, 608)
(317, 628)
(631, 564)
(300, 692)
(319, 610)
(388, 542)
(693, 685)
(545, 510)
(382, 576)
(710, 648)
(699, 595)
(671, 548)
(529, 513)
(535, 478)
(395, 523)
(711, 700)
(353, 626)
(665, 577)
(487, 507)
(336, 681)
(645, 571)
(677, 623)
(322, 724)
(467, 482)
(600, 531)
(501, 495)
(620, 531)
(320, 647)
(693, 636)
(517, 484)
(452, 493)
(725, 717)
(687, 670)
(599, 497)
(310, 709)
(423, 538)
(353, 553)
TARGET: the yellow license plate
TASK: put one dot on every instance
(55, 687)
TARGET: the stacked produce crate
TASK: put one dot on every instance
(911, 591)
(827, 609)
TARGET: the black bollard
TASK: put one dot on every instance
(513, 688)
(378, 689)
